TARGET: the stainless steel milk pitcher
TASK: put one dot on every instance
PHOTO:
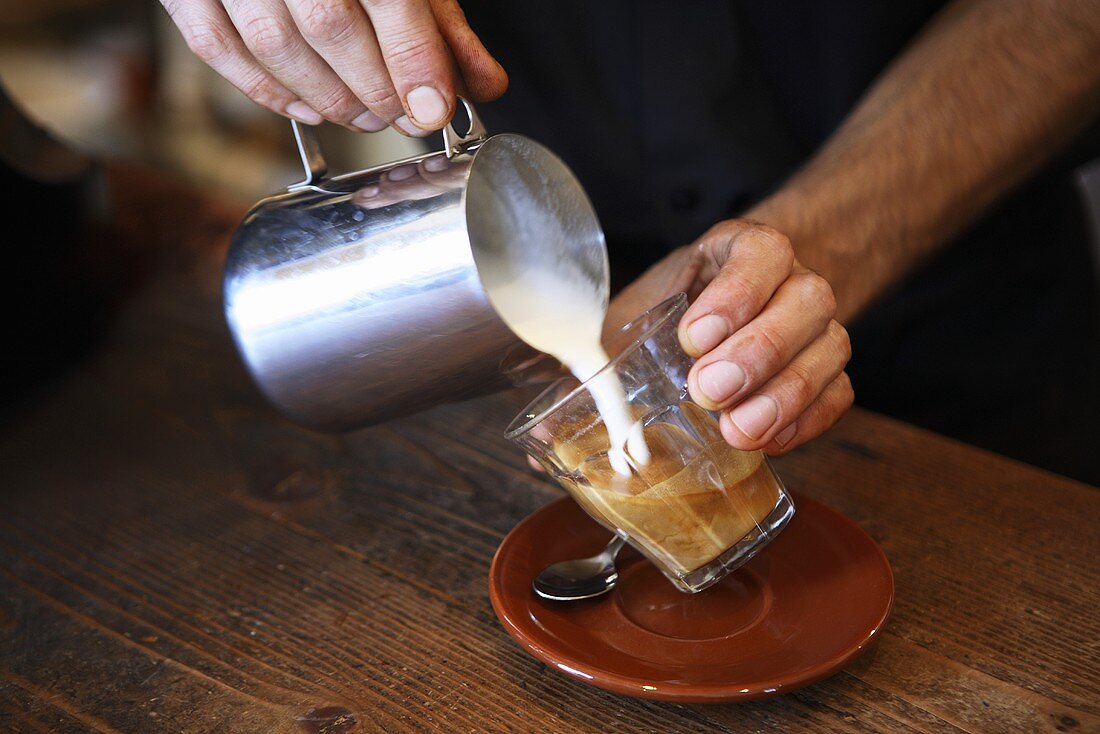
(360, 297)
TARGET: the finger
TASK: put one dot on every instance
(418, 60)
(339, 31)
(208, 32)
(534, 464)
(270, 33)
(485, 78)
(833, 402)
(750, 262)
(755, 421)
(797, 314)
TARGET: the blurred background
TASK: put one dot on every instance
(115, 79)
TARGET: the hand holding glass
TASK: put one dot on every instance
(698, 508)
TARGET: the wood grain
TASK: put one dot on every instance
(176, 557)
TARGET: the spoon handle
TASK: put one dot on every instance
(614, 546)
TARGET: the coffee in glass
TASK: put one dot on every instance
(695, 506)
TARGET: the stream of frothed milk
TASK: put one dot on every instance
(563, 317)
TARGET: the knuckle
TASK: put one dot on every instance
(771, 346)
(412, 50)
(207, 42)
(325, 22)
(338, 107)
(387, 6)
(773, 240)
(382, 99)
(262, 91)
(840, 337)
(819, 294)
(847, 393)
(800, 384)
(267, 37)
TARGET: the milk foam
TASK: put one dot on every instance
(563, 317)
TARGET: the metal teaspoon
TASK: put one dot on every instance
(582, 578)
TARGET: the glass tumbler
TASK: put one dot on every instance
(696, 507)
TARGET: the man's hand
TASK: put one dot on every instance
(770, 355)
(364, 65)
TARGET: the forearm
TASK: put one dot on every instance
(989, 91)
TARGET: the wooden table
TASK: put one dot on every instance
(175, 557)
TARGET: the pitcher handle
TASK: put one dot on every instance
(316, 167)
(309, 150)
(456, 144)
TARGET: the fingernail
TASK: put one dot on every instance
(405, 125)
(369, 122)
(720, 380)
(784, 437)
(707, 333)
(427, 105)
(755, 416)
(302, 112)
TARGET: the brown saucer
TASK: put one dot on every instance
(806, 606)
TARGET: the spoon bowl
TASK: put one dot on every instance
(582, 578)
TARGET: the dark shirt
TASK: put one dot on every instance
(675, 116)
